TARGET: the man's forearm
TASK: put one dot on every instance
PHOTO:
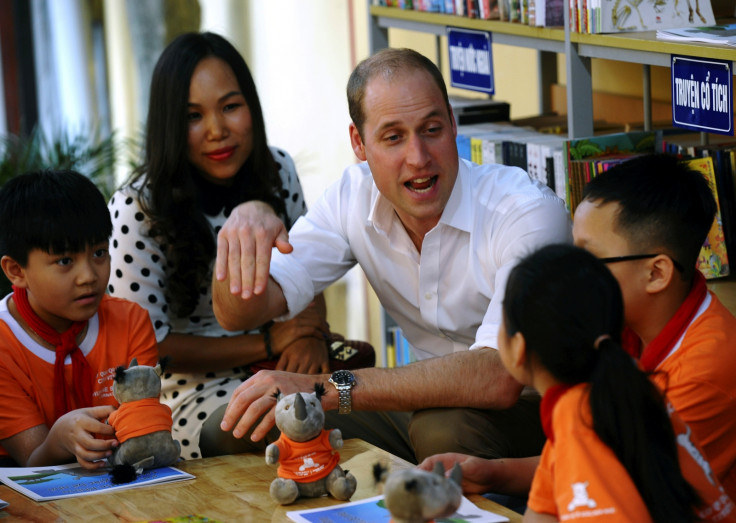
(235, 314)
(474, 379)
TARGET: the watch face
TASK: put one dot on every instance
(342, 377)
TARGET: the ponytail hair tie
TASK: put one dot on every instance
(600, 339)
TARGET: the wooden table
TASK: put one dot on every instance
(226, 488)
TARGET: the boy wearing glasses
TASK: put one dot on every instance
(647, 219)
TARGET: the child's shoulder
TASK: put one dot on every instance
(572, 410)
(114, 307)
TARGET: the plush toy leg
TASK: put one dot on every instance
(284, 491)
(341, 485)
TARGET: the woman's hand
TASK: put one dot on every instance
(308, 323)
(244, 247)
(300, 342)
(306, 356)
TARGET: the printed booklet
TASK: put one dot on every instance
(374, 510)
(68, 481)
(714, 34)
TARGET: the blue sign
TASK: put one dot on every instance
(471, 62)
(702, 94)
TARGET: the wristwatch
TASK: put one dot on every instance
(344, 381)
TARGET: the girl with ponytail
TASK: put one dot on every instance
(614, 451)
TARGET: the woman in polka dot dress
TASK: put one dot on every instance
(206, 154)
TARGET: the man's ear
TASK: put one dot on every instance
(661, 273)
(357, 143)
(13, 270)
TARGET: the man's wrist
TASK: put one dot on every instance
(343, 382)
(266, 331)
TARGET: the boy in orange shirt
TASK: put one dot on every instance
(61, 337)
(647, 220)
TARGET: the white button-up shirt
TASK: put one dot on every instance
(448, 297)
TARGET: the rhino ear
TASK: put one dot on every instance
(133, 363)
(457, 474)
(157, 370)
(439, 469)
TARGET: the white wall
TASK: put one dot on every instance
(125, 119)
(63, 57)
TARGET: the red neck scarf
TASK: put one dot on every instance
(547, 407)
(66, 344)
(658, 349)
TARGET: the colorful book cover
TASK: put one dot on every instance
(580, 151)
(713, 34)
(374, 510)
(550, 13)
(67, 481)
(713, 259)
(636, 15)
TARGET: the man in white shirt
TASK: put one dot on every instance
(436, 238)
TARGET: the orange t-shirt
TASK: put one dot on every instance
(140, 417)
(306, 461)
(579, 476)
(698, 380)
(117, 333)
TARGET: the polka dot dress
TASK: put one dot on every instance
(139, 271)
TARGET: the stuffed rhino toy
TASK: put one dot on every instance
(142, 423)
(417, 496)
(306, 453)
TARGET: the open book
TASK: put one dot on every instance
(712, 34)
(66, 481)
(373, 509)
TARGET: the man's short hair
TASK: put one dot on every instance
(664, 204)
(54, 211)
(388, 63)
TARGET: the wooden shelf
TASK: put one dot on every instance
(578, 48)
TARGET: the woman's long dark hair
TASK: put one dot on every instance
(168, 193)
(562, 299)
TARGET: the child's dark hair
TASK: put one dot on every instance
(568, 307)
(664, 204)
(54, 211)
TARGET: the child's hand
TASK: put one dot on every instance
(75, 433)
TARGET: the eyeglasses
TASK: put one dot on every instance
(616, 259)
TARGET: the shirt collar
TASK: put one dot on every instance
(547, 407)
(458, 212)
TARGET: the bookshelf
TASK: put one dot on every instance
(578, 49)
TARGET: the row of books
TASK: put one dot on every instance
(539, 154)
(567, 165)
(548, 13)
(398, 350)
(586, 16)
(615, 16)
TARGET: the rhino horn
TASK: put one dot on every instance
(300, 407)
